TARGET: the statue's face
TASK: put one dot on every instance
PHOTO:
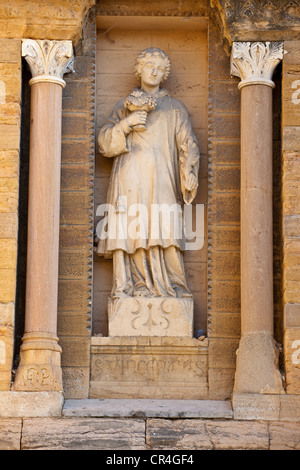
(152, 70)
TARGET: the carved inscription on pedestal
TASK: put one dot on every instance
(124, 367)
(149, 367)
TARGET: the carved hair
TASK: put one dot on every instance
(151, 51)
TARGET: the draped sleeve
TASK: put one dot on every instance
(112, 137)
(188, 151)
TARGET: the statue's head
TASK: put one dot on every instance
(146, 55)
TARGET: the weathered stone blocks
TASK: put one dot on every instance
(10, 433)
(206, 435)
(83, 434)
(78, 433)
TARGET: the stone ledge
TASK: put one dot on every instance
(281, 408)
(30, 404)
(144, 408)
(148, 343)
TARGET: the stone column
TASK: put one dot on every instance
(257, 357)
(39, 368)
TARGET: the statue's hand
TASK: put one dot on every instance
(192, 182)
(137, 118)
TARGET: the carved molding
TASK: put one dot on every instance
(252, 9)
(256, 20)
(152, 8)
(48, 60)
(254, 63)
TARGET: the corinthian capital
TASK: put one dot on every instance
(255, 62)
(48, 60)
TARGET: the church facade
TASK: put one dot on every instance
(236, 68)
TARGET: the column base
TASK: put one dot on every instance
(257, 365)
(40, 364)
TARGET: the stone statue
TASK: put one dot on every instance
(156, 162)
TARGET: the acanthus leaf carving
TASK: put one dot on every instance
(49, 58)
(271, 5)
(248, 8)
(255, 62)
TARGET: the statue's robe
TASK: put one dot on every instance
(151, 168)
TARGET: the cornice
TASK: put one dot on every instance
(253, 20)
(153, 8)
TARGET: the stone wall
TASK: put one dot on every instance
(76, 217)
(291, 213)
(223, 219)
(146, 434)
(10, 122)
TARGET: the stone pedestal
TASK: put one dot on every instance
(150, 352)
(156, 316)
(149, 367)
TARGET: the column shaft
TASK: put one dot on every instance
(256, 209)
(43, 209)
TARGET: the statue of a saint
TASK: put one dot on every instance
(156, 162)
